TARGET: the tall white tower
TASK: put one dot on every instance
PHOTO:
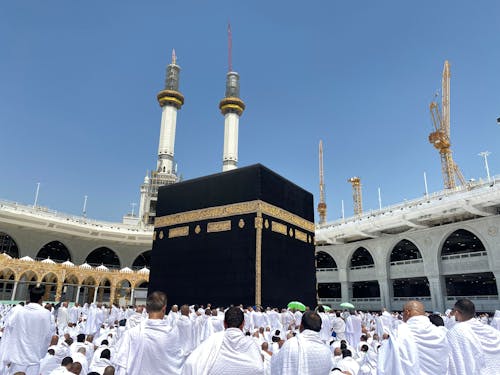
(170, 100)
(232, 108)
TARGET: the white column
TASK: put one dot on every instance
(14, 290)
(77, 293)
(167, 138)
(230, 158)
(132, 296)
(96, 289)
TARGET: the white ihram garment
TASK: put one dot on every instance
(475, 349)
(224, 353)
(303, 354)
(495, 322)
(29, 338)
(153, 347)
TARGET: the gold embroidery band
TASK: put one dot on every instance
(219, 226)
(278, 227)
(178, 232)
(300, 235)
(233, 210)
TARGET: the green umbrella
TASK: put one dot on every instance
(297, 305)
(347, 305)
(327, 308)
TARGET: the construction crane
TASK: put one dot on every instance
(440, 137)
(356, 195)
(321, 204)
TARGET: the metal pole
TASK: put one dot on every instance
(425, 184)
(379, 200)
(343, 216)
(133, 208)
(85, 206)
(36, 194)
(485, 155)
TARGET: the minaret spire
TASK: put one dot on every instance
(232, 107)
(230, 47)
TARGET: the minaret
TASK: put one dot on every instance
(231, 107)
(170, 100)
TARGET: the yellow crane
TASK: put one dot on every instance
(440, 137)
(356, 195)
(321, 204)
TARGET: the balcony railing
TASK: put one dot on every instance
(362, 267)
(465, 255)
(326, 269)
(409, 261)
(485, 297)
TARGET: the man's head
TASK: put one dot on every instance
(106, 354)
(110, 370)
(82, 351)
(156, 303)
(265, 346)
(436, 320)
(364, 348)
(233, 318)
(464, 310)
(105, 342)
(54, 340)
(36, 294)
(310, 320)
(75, 368)
(175, 308)
(185, 310)
(321, 308)
(346, 353)
(337, 352)
(80, 337)
(67, 361)
(413, 308)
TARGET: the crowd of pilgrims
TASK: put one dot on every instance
(39, 339)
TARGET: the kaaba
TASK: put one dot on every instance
(244, 236)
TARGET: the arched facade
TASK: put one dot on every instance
(426, 264)
(142, 260)
(54, 250)
(361, 258)
(8, 245)
(103, 256)
(325, 261)
(68, 282)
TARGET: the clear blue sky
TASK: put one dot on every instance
(78, 85)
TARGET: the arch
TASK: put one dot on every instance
(142, 260)
(461, 241)
(361, 258)
(54, 250)
(141, 284)
(71, 284)
(49, 280)
(103, 255)
(325, 260)
(405, 250)
(86, 290)
(7, 281)
(104, 290)
(26, 280)
(123, 291)
(7, 272)
(8, 245)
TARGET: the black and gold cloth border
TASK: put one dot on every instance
(257, 206)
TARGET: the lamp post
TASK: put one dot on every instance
(485, 155)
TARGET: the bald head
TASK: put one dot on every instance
(413, 308)
(185, 310)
